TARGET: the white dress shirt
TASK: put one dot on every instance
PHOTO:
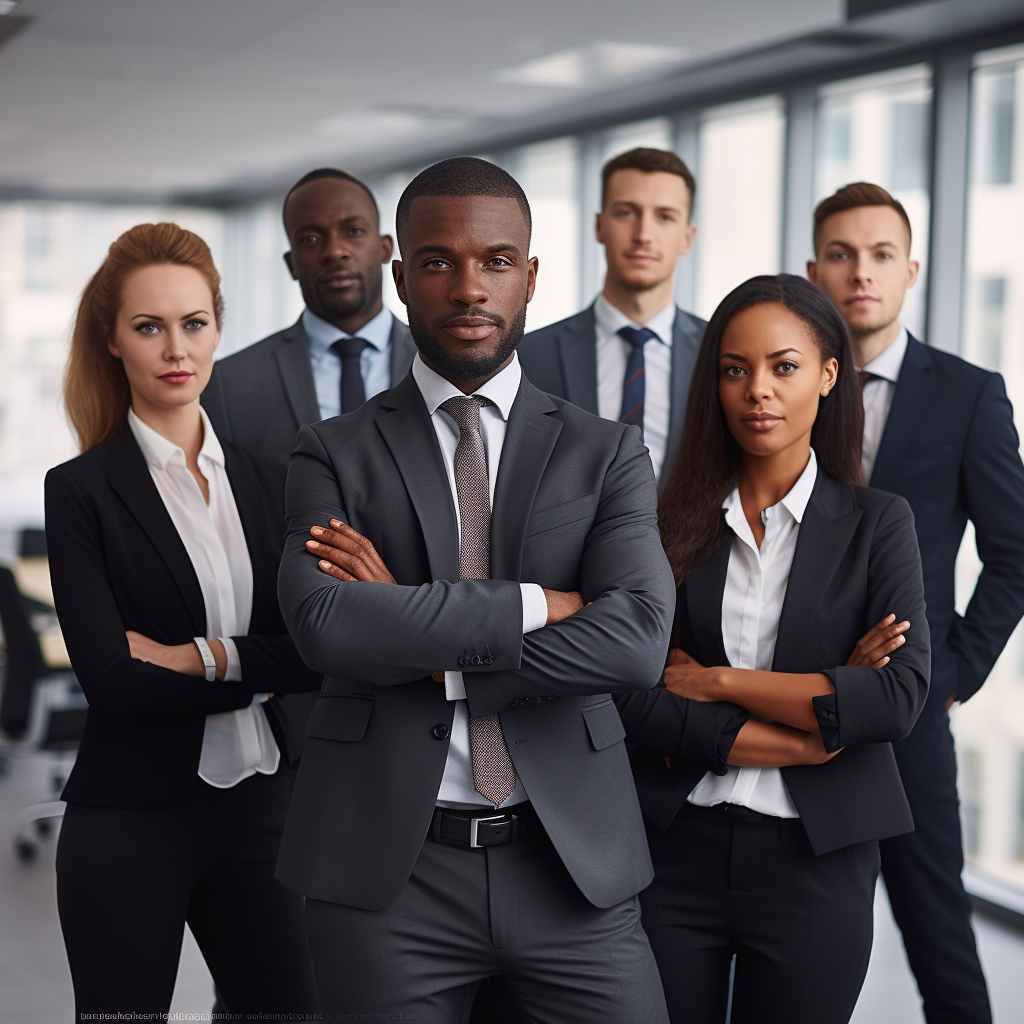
(613, 353)
(236, 744)
(755, 589)
(374, 361)
(878, 394)
(457, 784)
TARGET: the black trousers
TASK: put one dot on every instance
(731, 881)
(467, 915)
(128, 878)
(922, 877)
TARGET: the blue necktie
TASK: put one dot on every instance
(633, 388)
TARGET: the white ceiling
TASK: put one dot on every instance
(155, 98)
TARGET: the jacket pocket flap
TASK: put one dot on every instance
(603, 724)
(562, 514)
(340, 717)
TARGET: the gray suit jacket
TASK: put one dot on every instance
(259, 397)
(574, 509)
(561, 359)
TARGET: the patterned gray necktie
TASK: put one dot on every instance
(494, 776)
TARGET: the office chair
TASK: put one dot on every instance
(40, 709)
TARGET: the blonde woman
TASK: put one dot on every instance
(164, 545)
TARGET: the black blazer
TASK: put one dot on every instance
(951, 449)
(561, 359)
(856, 561)
(117, 563)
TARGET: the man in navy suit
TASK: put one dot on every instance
(938, 431)
(630, 354)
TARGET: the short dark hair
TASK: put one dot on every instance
(462, 176)
(326, 172)
(649, 161)
(849, 197)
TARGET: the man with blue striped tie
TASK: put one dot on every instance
(629, 355)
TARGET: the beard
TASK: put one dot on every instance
(331, 306)
(473, 364)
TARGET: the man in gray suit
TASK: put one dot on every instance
(629, 355)
(476, 567)
(346, 347)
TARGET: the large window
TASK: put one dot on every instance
(876, 129)
(739, 197)
(991, 724)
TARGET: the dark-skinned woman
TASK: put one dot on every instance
(801, 651)
(164, 546)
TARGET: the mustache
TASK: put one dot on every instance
(484, 314)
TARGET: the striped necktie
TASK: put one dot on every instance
(635, 384)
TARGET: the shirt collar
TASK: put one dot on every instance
(888, 363)
(795, 502)
(501, 389)
(611, 320)
(160, 453)
(323, 335)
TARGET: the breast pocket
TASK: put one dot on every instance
(342, 717)
(576, 510)
(603, 724)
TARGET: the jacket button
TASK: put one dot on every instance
(488, 660)
(463, 660)
(440, 731)
(477, 660)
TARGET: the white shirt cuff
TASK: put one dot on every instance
(535, 615)
(234, 669)
(535, 607)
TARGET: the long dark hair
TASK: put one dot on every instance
(707, 465)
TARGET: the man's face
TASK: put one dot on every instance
(863, 265)
(337, 249)
(466, 277)
(645, 227)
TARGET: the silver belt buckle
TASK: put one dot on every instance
(474, 825)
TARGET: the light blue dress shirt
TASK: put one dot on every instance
(375, 361)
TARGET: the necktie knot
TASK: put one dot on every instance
(349, 348)
(465, 411)
(865, 375)
(636, 336)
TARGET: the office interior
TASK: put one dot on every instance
(114, 112)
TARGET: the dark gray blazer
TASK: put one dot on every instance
(574, 509)
(561, 359)
(856, 561)
(259, 397)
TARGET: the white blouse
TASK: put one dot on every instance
(755, 589)
(236, 744)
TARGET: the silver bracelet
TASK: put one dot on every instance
(208, 659)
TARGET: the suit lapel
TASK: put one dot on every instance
(403, 348)
(577, 350)
(705, 589)
(827, 528)
(409, 435)
(529, 441)
(297, 375)
(130, 479)
(686, 339)
(913, 390)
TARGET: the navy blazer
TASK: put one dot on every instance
(561, 359)
(118, 563)
(951, 449)
(856, 561)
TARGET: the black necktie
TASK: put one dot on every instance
(634, 385)
(353, 394)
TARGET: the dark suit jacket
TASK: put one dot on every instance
(856, 561)
(259, 397)
(561, 359)
(117, 563)
(951, 449)
(574, 509)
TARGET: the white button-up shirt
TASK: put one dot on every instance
(374, 360)
(755, 589)
(457, 784)
(613, 353)
(236, 744)
(878, 394)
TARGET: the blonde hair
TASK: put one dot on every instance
(96, 392)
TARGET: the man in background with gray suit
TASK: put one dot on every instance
(475, 567)
(346, 347)
(629, 355)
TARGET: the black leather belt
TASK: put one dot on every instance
(473, 831)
